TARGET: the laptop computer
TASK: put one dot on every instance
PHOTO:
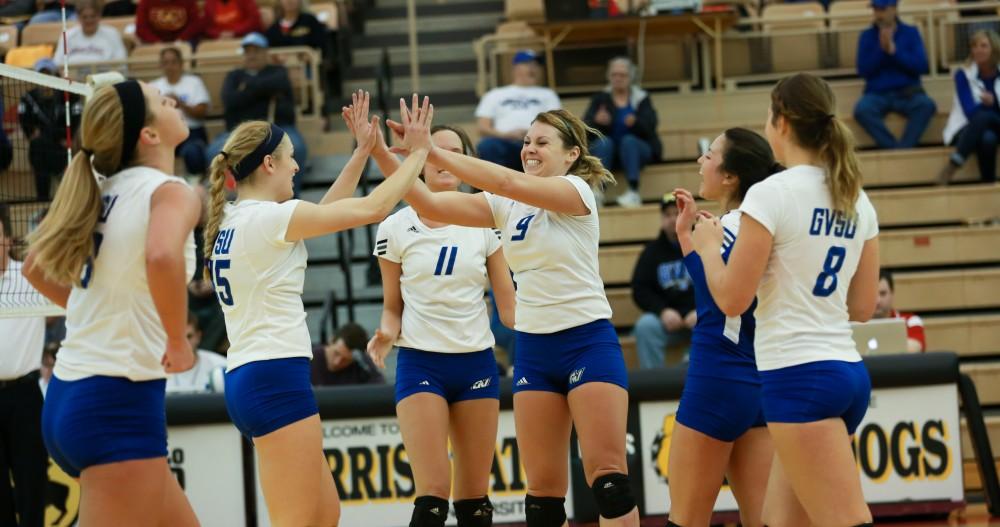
(883, 336)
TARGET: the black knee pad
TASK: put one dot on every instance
(474, 512)
(613, 495)
(429, 511)
(544, 512)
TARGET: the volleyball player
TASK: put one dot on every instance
(808, 250)
(117, 253)
(257, 258)
(720, 425)
(568, 370)
(434, 279)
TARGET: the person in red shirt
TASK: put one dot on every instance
(231, 18)
(916, 341)
(167, 20)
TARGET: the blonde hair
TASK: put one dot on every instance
(808, 105)
(244, 139)
(993, 38)
(573, 132)
(64, 241)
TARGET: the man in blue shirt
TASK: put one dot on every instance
(891, 58)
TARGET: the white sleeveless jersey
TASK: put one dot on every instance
(554, 260)
(443, 283)
(258, 279)
(112, 326)
(802, 299)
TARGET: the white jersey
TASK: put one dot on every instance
(554, 260)
(24, 337)
(802, 299)
(258, 279)
(443, 282)
(112, 326)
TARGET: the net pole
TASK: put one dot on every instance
(65, 67)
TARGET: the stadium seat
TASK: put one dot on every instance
(45, 33)
(795, 52)
(533, 10)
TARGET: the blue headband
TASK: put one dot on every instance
(251, 161)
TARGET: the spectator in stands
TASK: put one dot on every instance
(90, 41)
(974, 124)
(192, 100)
(891, 59)
(42, 113)
(168, 20)
(208, 372)
(624, 113)
(343, 360)
(231, 18)
(51, 11)
(505, 113)
(916, 342)
(293, 26)
(248, 93)
(662, 289)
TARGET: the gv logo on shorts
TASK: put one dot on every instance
(482, 383)
(576, 375)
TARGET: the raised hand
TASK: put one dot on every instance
(707, 235)
(687, 209)
(414, 130)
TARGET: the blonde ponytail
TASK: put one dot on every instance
(844, 177)
(216, 207)
(63, 242)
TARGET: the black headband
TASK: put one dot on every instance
(133, 117)
(251, 161)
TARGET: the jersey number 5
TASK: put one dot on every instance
(826, 282)
(522, 228)
(222, 288)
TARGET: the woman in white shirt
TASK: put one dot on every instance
(256, 256)
(90, 41)
(434, 279)
(808, 250)
(117, 252)
(569, 369)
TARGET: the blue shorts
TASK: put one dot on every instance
(720, 408)
(560, 361)
(99, 420)
(267, 395)
(454, 376)
(815, 391)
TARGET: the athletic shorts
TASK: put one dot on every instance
(720, 408)
(99, 420)
(815, 391)
(267, 395)
(560, 361)
(454, 376)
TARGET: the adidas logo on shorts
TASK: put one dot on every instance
(576, 375)
(425, 383)
(482, 383)
(522, 381)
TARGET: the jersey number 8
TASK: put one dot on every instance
(826, 282)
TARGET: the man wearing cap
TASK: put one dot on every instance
(662, 289)
(248, 94)
(505, 113)
(891, 58)
(42, 114)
